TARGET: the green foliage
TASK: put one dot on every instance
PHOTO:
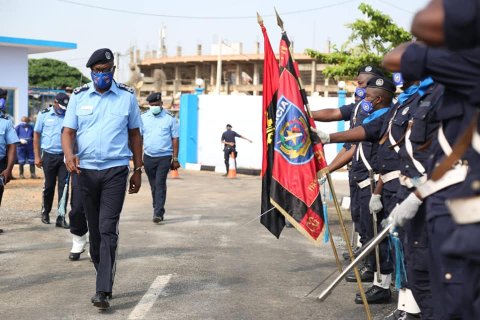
(370, 40)
(53, 74)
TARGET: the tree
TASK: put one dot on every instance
(51, 73)
(370, 40)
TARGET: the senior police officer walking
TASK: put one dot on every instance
(160, 141)
(48, 151)
(8, 141)
(103, 118)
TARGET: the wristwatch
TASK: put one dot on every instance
(174, 159)
(139, 169)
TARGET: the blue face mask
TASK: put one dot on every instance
(360, 92)
(155, 110)
(102, 80)
(3, 103)
(366, 106)
(59, 111)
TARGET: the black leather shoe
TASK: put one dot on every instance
(366, 275)
(61, 223)
(356, 252)
(375, 295)
(157, 219)
(45, 218)
(402, 315)
(1, 230)
(100, 300)
(75, 256)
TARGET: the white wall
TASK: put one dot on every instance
(244, 113)
(14, 75)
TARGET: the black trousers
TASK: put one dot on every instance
(157, 169)
(3, 166)
(366, 217)
(78, 219)
(226, 155)
(103, 194)
(54, 169)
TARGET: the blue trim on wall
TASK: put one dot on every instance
(38, 43)
(188, 129)
(342, 99)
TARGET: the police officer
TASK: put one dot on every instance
(25, 149)
(353, 113)
(103, 118)
(160, 142)
(456, 71)
(230, 145)
(378, 102)
(8, 141)
(47, 147)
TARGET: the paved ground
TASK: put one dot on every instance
(205, 261)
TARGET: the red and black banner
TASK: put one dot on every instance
(271, 218)
(298, 156)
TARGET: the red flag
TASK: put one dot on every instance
(271, 218)
(295, 190)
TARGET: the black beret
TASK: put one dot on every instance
(229, 125)
(381, 83)
(154, 97)
(103, 55)
(62, 99)
(3, 92)
(371, 70)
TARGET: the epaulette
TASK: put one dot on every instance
(80, 89)
(45, 110)
(125, 87)
(4, 116)
(169, 113)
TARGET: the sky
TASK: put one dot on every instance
(121, 24)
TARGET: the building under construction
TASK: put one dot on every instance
(239, 73)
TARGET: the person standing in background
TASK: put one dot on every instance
(25, 149)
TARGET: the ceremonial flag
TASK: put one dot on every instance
(271, 218)
(295, 190)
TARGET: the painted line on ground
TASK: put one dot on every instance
(196, 218)
(149, 298)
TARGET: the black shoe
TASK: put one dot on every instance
(22, 176)
(75, 256)
(1, 230)
(45, 218)
(100, 300)
(61, 223)
(366, 275)
(157, 219)
(375, 295)
(356, 252)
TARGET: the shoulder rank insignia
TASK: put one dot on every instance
(80, 89)
(125, 87)
(46, 110)
(169, 113)
(4, 116)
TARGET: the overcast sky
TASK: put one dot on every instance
(95, 24)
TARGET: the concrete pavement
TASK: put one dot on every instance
(202, 262)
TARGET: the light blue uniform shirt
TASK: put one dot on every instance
(8, 135)
(49, 124)
(102, 122)
(158, 132)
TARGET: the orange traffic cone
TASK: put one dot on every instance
(232, 166)
(174, 174)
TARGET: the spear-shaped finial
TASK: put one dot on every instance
(259, 19)
(279, 20)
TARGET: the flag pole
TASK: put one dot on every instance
(335, 200)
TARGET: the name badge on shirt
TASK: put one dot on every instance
(89, 108)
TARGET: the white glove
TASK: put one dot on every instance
(405, 210)
(23, 141)
(375, 204)
(324, 137)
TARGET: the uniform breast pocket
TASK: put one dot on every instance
(119, 116)
(419, 127)
(49, 127)
(84, 115)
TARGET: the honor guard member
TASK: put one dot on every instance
(25, 148)
(160, 145)
(103, 118)
(378, 100)
(8, 141)
(48, 151)
(230, 144)
(350, 112)
(457, 72)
